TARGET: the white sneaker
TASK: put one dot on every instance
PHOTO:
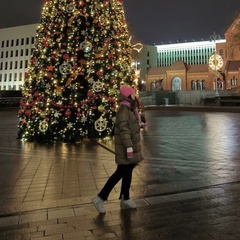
(127, 204)
(98, 203)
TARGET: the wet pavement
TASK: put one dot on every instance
(188, 187)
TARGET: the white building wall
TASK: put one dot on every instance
(189, 52)
(16, 44)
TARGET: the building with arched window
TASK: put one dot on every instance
(185, 66)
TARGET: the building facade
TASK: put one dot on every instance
(181, 66)
(185, 66)
(191, 53)
(16, 45)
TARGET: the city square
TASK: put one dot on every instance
(186, 188)
(90, 87)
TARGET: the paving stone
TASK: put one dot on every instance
(187, 188)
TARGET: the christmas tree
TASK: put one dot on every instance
(82, 56)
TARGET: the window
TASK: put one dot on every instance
(2, 44)
(204, 85)
(0, 77)
(27, 51)
(11, 55)
(17, 42)
(176, 84)
(22, 41)
(12, 43)
(7, 43)
(21, 54)
(27, 41)
(26, 63)
(10, 77)
(1, 66)
(20, 76)
(193, 85)
(6, 65)
(21, 64)
(199, 85)
(234, 81)
(33, 40)
(15, 77)
(16, 64)
(1, 54)
(11, 65)
(6, 54)
(5, 77)
(16, 54)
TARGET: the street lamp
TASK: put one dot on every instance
(215, 61)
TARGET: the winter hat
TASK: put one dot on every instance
(126, 90)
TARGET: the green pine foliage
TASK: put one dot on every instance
(82, 56)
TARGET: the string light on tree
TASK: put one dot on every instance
(82, 55)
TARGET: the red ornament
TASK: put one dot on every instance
(89, 94)
(33, 60)
(99, 73)
(28, 112)
(49, 75)
(65, 56)
(110, 56)
(68, 113)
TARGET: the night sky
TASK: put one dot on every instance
(149, 21)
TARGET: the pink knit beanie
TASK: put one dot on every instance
(126, 90)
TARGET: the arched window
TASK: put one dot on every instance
(193, 85)
(204, 84)
(176, 84)
(153, 86)
(199, 85)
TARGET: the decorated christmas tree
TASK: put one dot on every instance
(82, 56)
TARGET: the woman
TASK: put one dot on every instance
(127, 150)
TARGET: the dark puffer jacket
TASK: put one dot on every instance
(127, 134)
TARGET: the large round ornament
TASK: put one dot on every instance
(43, 126)
(97, 86)
(86, 46)
(65, 68)
(100, 108)
(100, 125)
(215, 61)
(70, 7)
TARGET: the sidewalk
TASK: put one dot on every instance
(185, 189)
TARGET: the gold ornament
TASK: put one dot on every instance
(215, 61)
(101, 108)
(120, 74)
(111, 91)
(43, 114)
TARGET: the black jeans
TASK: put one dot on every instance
(123, 172)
